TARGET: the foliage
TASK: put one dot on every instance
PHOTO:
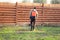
(55, 2)
(40, 1)
(23, 33)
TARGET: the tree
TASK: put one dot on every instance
(39, 1)
(55, 2)
(24, 1)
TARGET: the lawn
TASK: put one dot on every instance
(24, 33)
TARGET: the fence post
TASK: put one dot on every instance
(16, 11)
(42, 14)
(43, 9)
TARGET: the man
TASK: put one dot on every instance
(33, 16)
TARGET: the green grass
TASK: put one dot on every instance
(24, 33)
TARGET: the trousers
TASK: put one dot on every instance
(32, 22)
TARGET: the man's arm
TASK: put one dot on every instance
(36, 13)
(30, 12)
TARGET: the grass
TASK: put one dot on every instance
(24, 33)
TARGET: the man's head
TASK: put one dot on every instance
(34, 7)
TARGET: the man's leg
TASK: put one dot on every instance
(31, 24)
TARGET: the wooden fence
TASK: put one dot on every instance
(18, 13)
